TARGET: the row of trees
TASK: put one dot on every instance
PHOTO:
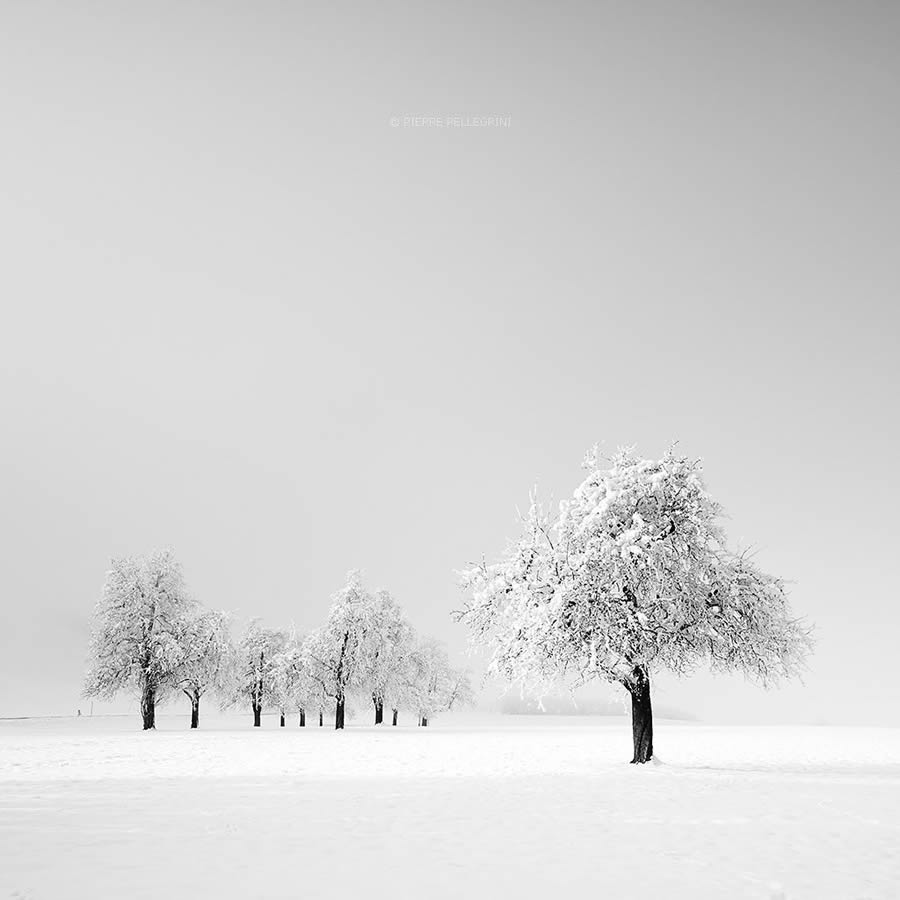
(152, 638)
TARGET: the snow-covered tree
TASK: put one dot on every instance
(339, 651)
(309, 692)
(631, 576)
(207, 657)
(403, 690)
(256, 655)
(137, 628)
(310, 695)
(291, 685)
(433, 684)
(390, 640)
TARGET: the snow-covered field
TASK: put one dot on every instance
(470, 807)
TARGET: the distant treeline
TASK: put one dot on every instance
(152, 638)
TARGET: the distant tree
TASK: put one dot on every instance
(256, 655)
(338, 652)
(309, 693)
(631, 576)
(317, 681)
(434, 686)
(207, 657)
(291, 686)
(389, 642)
(281, 681)
(137, 628)
(402, 688)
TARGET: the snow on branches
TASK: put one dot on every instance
(256, 656)
(631, 575)
(291, 686)
(207, 657)
(137, 629)
(338, 650)
(368, 649)
(149, 635)
(390, 641)
(362, 647)
(432, 684)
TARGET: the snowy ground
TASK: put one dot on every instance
(476, 807)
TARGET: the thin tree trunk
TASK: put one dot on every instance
(641, 715)
(379, 711)
(394, 722)
(303, 718)
(321, 717)
(195, 710)
(257, 714)
(424, 721)
(148, 707)
(282, 720)
(339, 714)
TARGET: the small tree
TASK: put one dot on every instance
(317, 677)
(401, 688)
(207, 656)
(389, 642)
(256, 657)
(309, 692)
(288, 679)
(338, 651)
(137, 628)
(630, 577)
(434, 685)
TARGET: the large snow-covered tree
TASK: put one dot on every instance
(136, 636)
(256, 656)
(433, 685)
(339, 652)
(207, 656)
(631, 576)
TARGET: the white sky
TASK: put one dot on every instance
(245, 317)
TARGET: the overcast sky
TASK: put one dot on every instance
(247, 317)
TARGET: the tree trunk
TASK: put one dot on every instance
(257, 714)
(148, 707)
(320, 718)
(379, 711)
(641, 715)
(339, 714)
(424, 721)
(195, 710)
(394, 722)
(282, 720)
(303, 718)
